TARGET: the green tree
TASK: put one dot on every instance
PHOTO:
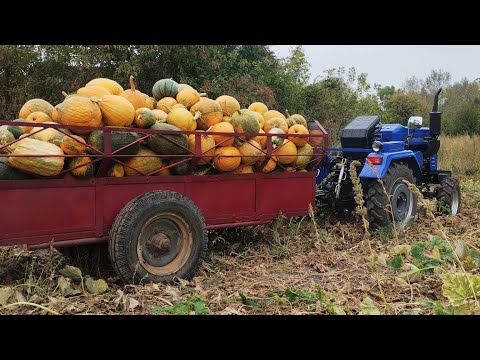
(400, 106)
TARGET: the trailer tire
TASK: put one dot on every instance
(448, 197)
(159, 236)
(405, 202)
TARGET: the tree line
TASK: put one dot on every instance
(247, 72)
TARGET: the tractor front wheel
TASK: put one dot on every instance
(448, 197)
(391, 201)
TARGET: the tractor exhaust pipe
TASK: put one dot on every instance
(436, 117)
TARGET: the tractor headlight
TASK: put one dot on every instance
(377, 146)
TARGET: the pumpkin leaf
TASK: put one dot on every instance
(66, 287)
(401, 249)
(457, 288)
(412, 274)
(397, 262)
(382, 259)
(96, 287)
(71, 272)
(417, 250)
(334, 309)
(461, 249)
(5, 293)
(465, 309)
(368, 307)
(436, 253)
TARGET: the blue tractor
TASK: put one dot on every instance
(392, 153)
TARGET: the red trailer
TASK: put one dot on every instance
(156, 226)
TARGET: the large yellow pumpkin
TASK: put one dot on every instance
(116, 110)
(112, 86)
(207, 145)
(160, 115)
(78, 110)
(298, 129)
(188, 97)
(226, 158)
(35, 117)
(286, 153)
(136, 97)
(34, 105)
(229, 104)
(277, 122)
(166, 104)
(207, 113)
(258, 107)
(181, 118)
(270, 114)
(95, 91)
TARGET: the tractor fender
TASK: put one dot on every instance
(414, 160)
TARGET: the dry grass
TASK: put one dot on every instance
(460, 154)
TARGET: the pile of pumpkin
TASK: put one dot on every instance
(175, 107)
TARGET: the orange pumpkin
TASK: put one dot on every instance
(34, 105)
(207, 145)
(207, 113)
(228, 104)
(75, 146)
(149, 102)
(269, 167)
(93, 91)
(286, 153)
(112, 86)
(116, 110)
(276, 122)
(78, 110)
(270, 114)
(226, 158)
(251, 152)
(188, 97)
(258, 107)
(262, 140)
(35, 117)
(160, 115)
(166, 103)
(181, 118)
(223, 140)
(136, 97)
(298, 129)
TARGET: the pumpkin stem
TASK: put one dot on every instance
(288, 114)
(197, 116)
(64, 94)
(202, 94)
(132, 85)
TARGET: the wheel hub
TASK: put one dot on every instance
(402, 202)
(159, 244)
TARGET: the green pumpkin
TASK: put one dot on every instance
(5, 138)
(160, 145)
(16, 130)
(165, 87)
(179, 169)
(9, 173)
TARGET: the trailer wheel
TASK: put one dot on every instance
(448, 197)
(403, 201)
(159, 236)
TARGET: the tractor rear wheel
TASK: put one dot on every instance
(396, 199)
(159, 236)
(448, 197)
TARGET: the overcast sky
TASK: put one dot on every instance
(392, 64)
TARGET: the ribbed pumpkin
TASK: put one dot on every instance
(207, 145)
(298, 129)
(115, 170)
(270, 114)
(258, 107)
(144, 118)
(45, 166)
(207, 113)
(112, 86)
(75, 146)
(250, 151)
(149, 102)
(258, 116)
(304, 155)
(295, 119)
(85, 168)
(228, 104)
(9, 173)
(165, 87)
(184, 87)
(165, 104)
(171, 144)
(136, 97)
(7, 137)
(277, 140)
(78, 110)
(188, 97)
(181, 118)
(286, 153)
(275, 123)
(261, 140)
(49, 134)
(35, 117)
(247, 169)
(246, 122)
(93, 91)
(223, 140)
(145, 165)
(269, 167)
(116, 110)
(35, 105)
(160, 115)
(226, 158)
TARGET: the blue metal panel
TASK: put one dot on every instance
(393, 146)
(433, 162)
(322, 173)
(393, 132)
(381, 170)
